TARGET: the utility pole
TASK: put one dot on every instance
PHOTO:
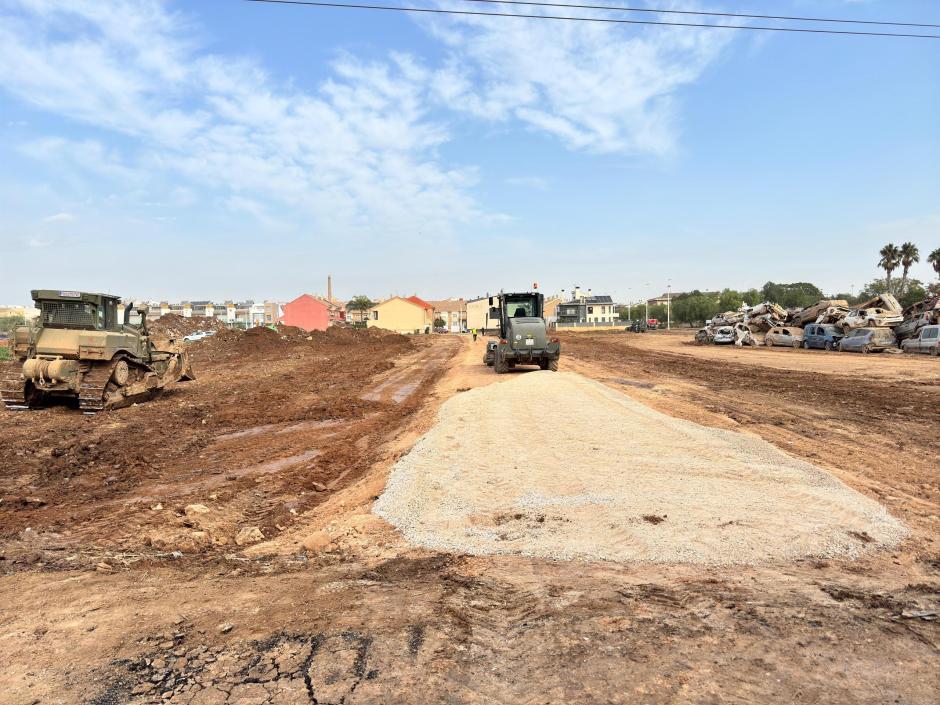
(669, 305)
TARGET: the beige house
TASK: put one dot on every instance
(400, 315)
(453, 312)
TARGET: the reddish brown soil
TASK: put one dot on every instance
(336, 608)
(273, 425)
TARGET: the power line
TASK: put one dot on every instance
(710, 14)
(606, 20)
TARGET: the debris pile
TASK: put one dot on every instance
(749, 325)
(172, 325)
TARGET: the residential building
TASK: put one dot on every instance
(453, 312)
(586, 308)
(307, 312)
(478, 314)
(401, 315)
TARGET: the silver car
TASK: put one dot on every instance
(926, 341)
(784, 336)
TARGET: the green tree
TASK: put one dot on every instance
(913, 292)
(798, 294)
(934, 259)
(910, 255)
(658, 312)
(730, 300)
(890, 258)
(751, 297)
(439, 323)
(360, 303)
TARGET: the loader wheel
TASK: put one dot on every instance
(866, 350)
(500, 365)
(553, 365)
(543, 364)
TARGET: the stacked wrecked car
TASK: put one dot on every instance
(875, 325)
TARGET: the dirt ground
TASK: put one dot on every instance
(123, 581)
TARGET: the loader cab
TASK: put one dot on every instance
(507, 306)
(76, 310)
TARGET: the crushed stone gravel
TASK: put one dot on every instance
(559, 466)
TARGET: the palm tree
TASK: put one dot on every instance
(909, 255)
(934, 259)
(890, 258)
(360, 303)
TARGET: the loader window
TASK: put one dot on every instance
(520, 308)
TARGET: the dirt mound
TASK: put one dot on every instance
(173, 325)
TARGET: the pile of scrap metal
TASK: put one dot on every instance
(749, 324)
(916, 316)
(746, 326)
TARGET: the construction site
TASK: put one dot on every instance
(357, 516)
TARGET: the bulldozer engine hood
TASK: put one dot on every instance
(84, 344)
(526, 334)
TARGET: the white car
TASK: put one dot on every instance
(871, 318)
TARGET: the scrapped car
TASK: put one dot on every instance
(821, 336)
(911, 325)
(871, 318)
(868, 340)
(926, 341)
(726, 335)
(704, 336)
(810, 314)
(784, 336)
(833, 314)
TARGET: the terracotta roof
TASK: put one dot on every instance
(421, 302)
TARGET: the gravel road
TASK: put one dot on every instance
(559, 466)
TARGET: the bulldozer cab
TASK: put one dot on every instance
(76, 310)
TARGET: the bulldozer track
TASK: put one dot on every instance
(13, 391)
(91, 394)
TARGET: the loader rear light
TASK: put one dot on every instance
(503, 341)
(554, 340)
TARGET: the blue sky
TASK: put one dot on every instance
(224, 149)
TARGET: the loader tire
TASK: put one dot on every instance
(500, 364)
(866, 350)
(553, 365)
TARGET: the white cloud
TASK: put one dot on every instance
(596, 87)
(532, 182)
(357, 154)
(59, 218)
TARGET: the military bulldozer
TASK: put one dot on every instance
(523, 335)
(78, 349)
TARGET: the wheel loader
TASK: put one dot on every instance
(523, 336)
(78, 349)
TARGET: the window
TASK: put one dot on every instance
(375, 315)
(930, 333)
(590, 309)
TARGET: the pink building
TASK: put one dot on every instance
(307, 312)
